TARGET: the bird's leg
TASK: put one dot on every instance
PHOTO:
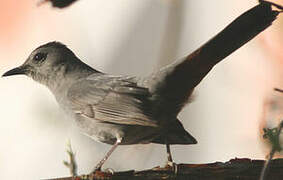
(99, 165)
(170, 162)
(169, 155)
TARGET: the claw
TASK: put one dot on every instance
(109, 170)
(172, 166)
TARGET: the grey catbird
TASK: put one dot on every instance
(111, 109)
(121, 110)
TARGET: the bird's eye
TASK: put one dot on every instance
(40, 56)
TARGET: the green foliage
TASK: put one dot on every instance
(272, 135)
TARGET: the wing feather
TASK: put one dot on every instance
(118, 100)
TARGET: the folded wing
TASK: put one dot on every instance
(111, 99)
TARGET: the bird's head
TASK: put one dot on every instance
(48, 63)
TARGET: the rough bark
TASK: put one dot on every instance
(238, 169)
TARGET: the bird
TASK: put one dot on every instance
(116, 110)
(126, 110)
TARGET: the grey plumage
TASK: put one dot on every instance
(115, 110)
(108, 107)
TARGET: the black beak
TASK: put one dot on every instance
(15, 71)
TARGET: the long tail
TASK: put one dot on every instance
(175, 82)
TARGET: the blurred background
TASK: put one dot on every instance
(135, 37)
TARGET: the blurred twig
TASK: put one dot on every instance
(272, 3)
(57, 3)
(278, 90)
(272, 135)
(72, 165)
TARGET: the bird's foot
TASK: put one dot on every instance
(172, 166)
(102, 174)
(109, 170)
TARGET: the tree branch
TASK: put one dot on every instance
(240, 169)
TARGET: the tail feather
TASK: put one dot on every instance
(175, 134)
(185, 138)
(175, 82)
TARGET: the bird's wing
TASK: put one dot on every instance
(111, 99)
